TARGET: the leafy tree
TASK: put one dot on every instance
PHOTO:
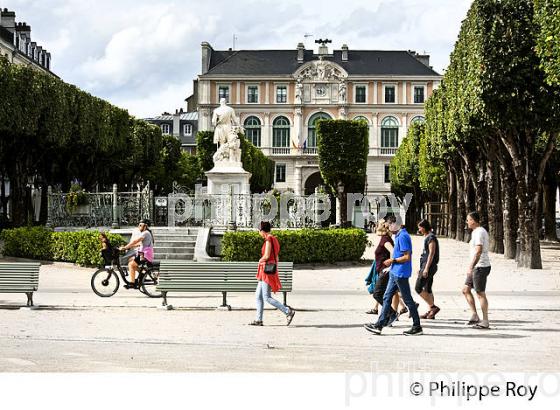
(343, 151)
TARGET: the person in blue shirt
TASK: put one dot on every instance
(401, 270)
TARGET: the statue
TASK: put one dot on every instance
(299, 91)
(342, 92)
(225, 134)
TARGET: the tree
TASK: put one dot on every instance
(343, 150)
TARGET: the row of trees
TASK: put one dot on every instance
(52, 133)
(490, 142)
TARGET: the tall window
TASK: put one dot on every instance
(165, 129)
(223, 92)
(418, 95)
(253, 130)
(281, 132)
(252, 94)
(361, 94)
(387, 174)
(280, 173)
(390, 94)
(389, 133)
(281, 94)
(187, 129)
(312, 128)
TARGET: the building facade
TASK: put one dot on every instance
(16, 44)
(182, 125)
(279, 95)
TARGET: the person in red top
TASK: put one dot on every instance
(268, 282)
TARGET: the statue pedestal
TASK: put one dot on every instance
(225, 176)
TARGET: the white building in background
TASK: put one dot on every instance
(281, 94)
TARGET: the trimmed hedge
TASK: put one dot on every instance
(299, 246)
(82, 247)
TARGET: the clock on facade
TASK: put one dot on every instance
(321, 90)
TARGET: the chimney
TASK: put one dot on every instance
(177, 123)
(300, 52)
(23, 28)
(323, 49)
(344, 52)
(423, 58)
(206, 56)
(8, 20)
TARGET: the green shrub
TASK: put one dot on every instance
(299, 246)
(82, 247)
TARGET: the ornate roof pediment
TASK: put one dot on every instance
(320, 70)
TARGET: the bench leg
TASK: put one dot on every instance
(29, 298)
(285, 298)
(164, 294)
(224, 302)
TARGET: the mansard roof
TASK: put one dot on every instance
(284, 62)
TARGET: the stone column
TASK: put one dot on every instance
(298, 189)
(298, 125)
(266, 134)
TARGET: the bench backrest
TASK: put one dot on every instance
(19, 277)
(218, 276)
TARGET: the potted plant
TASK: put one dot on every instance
(77, 200)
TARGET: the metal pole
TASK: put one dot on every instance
(115, 207)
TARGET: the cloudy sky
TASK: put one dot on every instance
(142, 55)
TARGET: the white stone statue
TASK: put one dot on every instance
(342, 91)
(225, 135)
(299, 91)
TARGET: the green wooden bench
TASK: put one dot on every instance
(19, 277)
(224, 277)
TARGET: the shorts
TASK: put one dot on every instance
(139, 259)
(425, 284)
(478, 279)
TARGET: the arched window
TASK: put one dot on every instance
(389, 133)
(281, 132)
(311, 128)
(418, 119)
(253, 130)
(361, 118)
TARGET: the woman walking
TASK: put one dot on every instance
(267, 276)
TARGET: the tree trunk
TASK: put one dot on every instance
(3, 201)
(468, 202)
(460, 200)
(495, 216)
(452, 204)
(529, 222)
(509, 205)
(550, 189)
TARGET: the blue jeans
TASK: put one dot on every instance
(400, 284)
(263, 294)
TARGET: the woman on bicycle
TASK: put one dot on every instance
(145, 251)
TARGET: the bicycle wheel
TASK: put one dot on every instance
(105, 283)
(149, 282)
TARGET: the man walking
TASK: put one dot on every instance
(478, 271)
(401, 270)
(428, 268)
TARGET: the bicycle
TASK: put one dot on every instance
(105, 282)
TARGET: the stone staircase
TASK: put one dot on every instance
(174, 243)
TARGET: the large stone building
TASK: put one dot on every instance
(16, 44)
(280, 95)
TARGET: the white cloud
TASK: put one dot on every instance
(144, 54)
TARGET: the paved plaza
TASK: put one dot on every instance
(75, 331)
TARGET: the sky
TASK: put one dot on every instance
(142, 55)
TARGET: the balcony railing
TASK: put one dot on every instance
(383, 152)
(377, 152)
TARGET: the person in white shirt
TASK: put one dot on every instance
(478, 271)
